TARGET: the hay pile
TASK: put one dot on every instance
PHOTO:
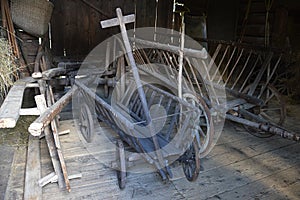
(8, 68)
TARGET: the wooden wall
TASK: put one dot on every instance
(76, 28)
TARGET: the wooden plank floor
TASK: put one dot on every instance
(240, 166)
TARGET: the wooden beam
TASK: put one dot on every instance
(52, 178)
(51, 73)
(33, 170)
(29, 111)
(202, 54)
(10, 109)
(49, 114)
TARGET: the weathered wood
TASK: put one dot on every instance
(247, 97)
(49, 114)
(4, 23)
(52, 178)
(14, 189)
(65, 132)
(51, 101)
(51, 73)
(29, 111)
(231, 166)
(10, 109)
(54, 127)
(41, 104)
(38, 62)
(260, 189)
(202, 54)
(115, 21)
(47, 179)
(10, 28)
(33, 170)
(36, 75)
(81, 22)
(32, 85)
(95, 8)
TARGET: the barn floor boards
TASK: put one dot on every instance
(240, 166)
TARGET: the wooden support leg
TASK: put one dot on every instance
(41, 104)
(54, 127)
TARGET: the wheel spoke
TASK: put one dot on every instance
(191, 163)
(203, 127)
(273, 111)
(86, 122)
(270, 109)
(202, 133)
(269, 98)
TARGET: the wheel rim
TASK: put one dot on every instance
(274, 105)
(86, 122)
(273, 110)
(204, 131)
(191, 162)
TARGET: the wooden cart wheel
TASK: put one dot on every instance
(273, 110)
(121, 171)
(191, 162)
(86, 122)
(204, 130)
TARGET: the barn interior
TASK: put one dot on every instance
(85, 83)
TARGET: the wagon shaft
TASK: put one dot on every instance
(265, 127)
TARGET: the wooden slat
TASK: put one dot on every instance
(260, 189)
(29, 111)
(32, 190)
(240, 173)
(10, 109)
(14, 189)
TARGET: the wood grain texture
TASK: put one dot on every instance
(32, 190)
(10, 109)
(76, 25)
